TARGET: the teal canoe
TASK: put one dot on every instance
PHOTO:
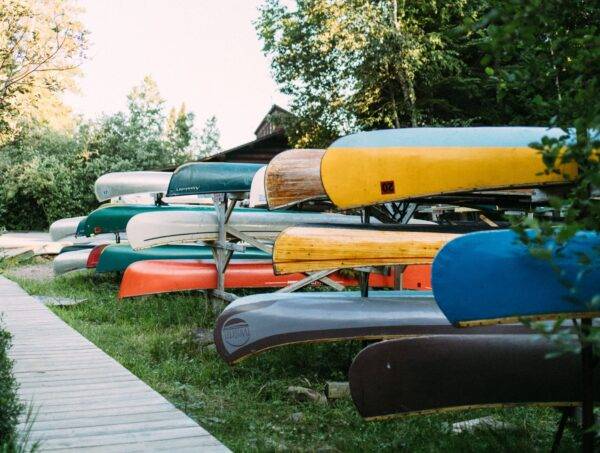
(212, 177)
(114, 218)
(118, 257)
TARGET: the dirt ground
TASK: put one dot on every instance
(42, 271)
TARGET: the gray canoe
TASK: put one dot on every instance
(64, 227)
(253, 324)
(70, 261)
(116, 184)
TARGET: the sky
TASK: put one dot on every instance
(205, 53)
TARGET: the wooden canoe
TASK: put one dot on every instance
(113, 218)
(312, 248)
(161, 228)
(253, 324)
(490, 277)
(294, 176)
(433, 374)
(212, 177)
(166, 276)
(112, 185)
(64, 228)
(118, 257)
(389, 165)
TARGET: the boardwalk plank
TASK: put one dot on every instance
(81, 397)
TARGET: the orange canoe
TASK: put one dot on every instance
(164, 276)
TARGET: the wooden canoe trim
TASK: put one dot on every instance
(294, 176)
(402, 377)
(307, 248)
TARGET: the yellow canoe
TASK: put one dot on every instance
(306, 248)
(382, 166)
(294, 176)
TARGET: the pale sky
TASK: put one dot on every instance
(205, 53)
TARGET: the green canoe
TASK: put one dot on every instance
(212, 177)
(114, 218)
(118, 257)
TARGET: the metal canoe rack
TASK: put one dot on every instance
(223, 249)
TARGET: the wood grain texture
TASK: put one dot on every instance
(303, 249)
(294, 176)
(84, 399)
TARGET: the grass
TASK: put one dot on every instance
(247, 406)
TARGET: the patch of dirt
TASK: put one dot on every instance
(39, 272)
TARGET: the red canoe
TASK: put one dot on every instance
(165, 276)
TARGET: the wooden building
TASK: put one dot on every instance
(270, 141)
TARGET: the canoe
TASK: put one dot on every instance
(70, 261)
(211, 177)
(312, 248)
(117, 257)
(116, 184)
(113, 218)
(397, 164)
(166, 276)
(258, 199)
(293, 177)
(253, 324)
(456, 372)
(150, 199)
(64, 227)
(161, 228)
(490, 277)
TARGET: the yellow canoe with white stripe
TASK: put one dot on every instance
(390, 165)
(306, 248)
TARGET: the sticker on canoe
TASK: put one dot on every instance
(387, 187)
(236, 332)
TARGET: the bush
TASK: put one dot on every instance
(10, 407)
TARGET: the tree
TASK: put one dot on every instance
(42, 43)
(366, 64)
(180, 134)
(208, 141)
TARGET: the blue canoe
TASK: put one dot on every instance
(490, 277)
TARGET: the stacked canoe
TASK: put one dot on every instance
(359, 215)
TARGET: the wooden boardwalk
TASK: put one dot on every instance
(85, 400)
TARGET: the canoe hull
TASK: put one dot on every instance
(64, 228)
(112, 185)
(165, 276)
(113, 218)
(254, 324)
(70, 261)
(118, 257)
(490, 277)
(199, 178)
(384, 166)
(153, 229)
(402, 377)
(293, 177)
(307, 248)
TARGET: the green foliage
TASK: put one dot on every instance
(10, 408)
(41, 46)
(47, 175)
(365, 64)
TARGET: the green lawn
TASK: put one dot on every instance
(247, 406)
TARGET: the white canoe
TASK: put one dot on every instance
(160, 228)
(258, 198)
(113, 185)
(148, 198)
(13, 244)
(64, 227)
(71, 261)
